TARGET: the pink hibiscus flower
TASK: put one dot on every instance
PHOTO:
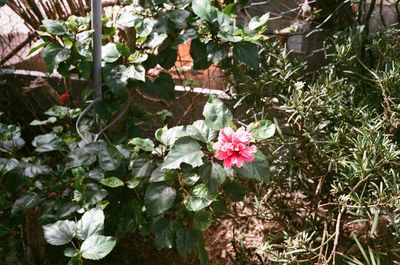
(234, 147)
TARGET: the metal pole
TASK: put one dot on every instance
(97, 13)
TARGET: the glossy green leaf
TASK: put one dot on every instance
(198, 52)
(142, 144)
(40, 43)
(186, 241)
(257, 22)
(71, 252)
(184, 150)
(45, 122)
(200, 198)
(115, 77)
(202, 220)
(48, 142)
(230, 8)
(158, 175)
(57, 111)
(49, 55)
(204, 10)
(213, 175)
(55, 27)
(199, 131)
(112, 182)
(6, 165)
(142, 166)
(59, 233)
(109, 158)
(110, 53)
(262, 130)
(163, 87)
(80, 157)
(159, 198)
(257, 169)
(32, 170)
(97, 247)
(247, 53)
(216, 114)
(164, 231)
(169, 136)
(28, 200)
(136, 72)
(91, 223)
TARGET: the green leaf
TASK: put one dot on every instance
(262, 130)
(186, 241)
(71, 252)
(199, 131)
(49, 55)
(55, 27)
(59, 233)
(216, 52)
(112, 182)
(204, 10)
(216, 114)
(169, 136)
(48, 142)
(136, 72)
(158, 198)
(146, 145)
(167, 58)
(158, 175)
(163, 87)
(6, 165)
(96, 174)
(40, 43)
(110, 53)
(247, 53)
(80, 157)
(257, 169)
(213, 175)
(164, 231)
(109, 158)
(45, 122)
(57, 111)
(257, 22)
(230, 9)
(202, 220)
(201, 250)
(185, 150)
(76, 260)
(97, 247)
(142, 166)
(33, 170)
(198, 52)
(91, 223)
(200, 198)
(11, 140)
(145, 26)
(28, 200)
(85, 69)
(115, 77)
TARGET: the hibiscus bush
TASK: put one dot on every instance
(173, 185)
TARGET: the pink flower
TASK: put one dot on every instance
(234, 147)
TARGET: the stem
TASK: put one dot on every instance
(97, 12)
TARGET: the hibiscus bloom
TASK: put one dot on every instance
(234, 147)
(64, 97)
